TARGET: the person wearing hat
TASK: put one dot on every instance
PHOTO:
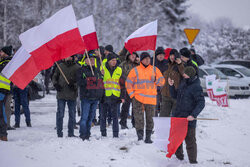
(66, 93)
(141, 85)
(91, 91)
(197, 58)
(126, 66)
(5, 96)
(114, 94)
(187, 60)
(175, 70)
(161, 64)
(189, 103)
(107, 50)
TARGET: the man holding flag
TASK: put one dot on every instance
(189, 103)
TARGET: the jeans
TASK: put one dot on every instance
(112, 107)
(21, 98)
(88, 114)
(60, 115)
(3, 119)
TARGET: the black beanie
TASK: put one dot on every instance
(111, 56)
(144, 55)
(109, 48)
(185, 52)
(159, 50)
(175, 53)
(7, 50)
(190, 71)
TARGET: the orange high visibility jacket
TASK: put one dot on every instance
(142, 83)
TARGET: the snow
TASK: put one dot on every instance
(220, 143)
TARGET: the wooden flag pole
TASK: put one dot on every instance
(100, 56)
(89, 62)
(154, 65)
(206, 119)
(62, 73)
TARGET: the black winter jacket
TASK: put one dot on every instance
(91, 87)
(190, 99)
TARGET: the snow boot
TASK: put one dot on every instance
(28, 124)
(148, 137)
(140, 134)
(16, 125)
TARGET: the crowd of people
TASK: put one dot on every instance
(165, 86)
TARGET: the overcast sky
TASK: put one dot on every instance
(237, 10)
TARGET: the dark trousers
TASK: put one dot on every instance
(112, 107)
(21, 98)
(125, 111)
(191, 146)
(3, 118)
(60, 115)
(88, 114)
(168, 105)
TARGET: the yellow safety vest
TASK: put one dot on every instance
(4, 83)
(111, 84)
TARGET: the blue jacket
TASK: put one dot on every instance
(190, 99)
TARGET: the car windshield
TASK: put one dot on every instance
(244, 71)
(218, 73)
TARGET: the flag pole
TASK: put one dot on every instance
(210, 119)
(62, 73)
(100, 56)
(154, 64)
(89, 62)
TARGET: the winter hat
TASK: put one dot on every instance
(190, 71)
(144, 55)
(111, 56)
(175, 53)
(185, 52)
(7, 50)
(167, 51)
(159, 50)
(128, 54)
(109, 48)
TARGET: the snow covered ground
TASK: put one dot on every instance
(220, 143)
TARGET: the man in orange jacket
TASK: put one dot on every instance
(141, 85)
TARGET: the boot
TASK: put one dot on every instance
(140, 134)
(28, 124)
(148, 137)
(16, 125)
(4, 138)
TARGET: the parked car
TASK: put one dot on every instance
(245, 63)
(236, 88)
(242, 74)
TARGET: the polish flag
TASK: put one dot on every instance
(170, 133)
(142, 39)
(88, 32)
(56, 38)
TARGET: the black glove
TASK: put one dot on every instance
(72, 87)
(58, 87)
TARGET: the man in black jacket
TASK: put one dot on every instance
(91, 91)
(190, 102)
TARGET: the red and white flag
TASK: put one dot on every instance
(56, 38)
(170, 133)
(220, 93)
(209, 86)
(88, 32)
(143, 38)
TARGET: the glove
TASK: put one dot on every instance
(72, 87)
(58, 87)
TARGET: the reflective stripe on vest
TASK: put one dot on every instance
(111, 84)
(4, 83)
(194, 63)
